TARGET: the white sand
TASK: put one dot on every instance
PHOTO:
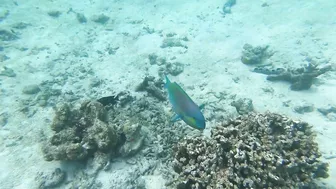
(291, 28)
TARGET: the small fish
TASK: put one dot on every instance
(184, 107)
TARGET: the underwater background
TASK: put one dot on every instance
(83, 102)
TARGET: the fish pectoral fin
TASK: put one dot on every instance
(201, 107)
(175, 118)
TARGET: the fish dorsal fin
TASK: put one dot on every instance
(167, 81)
(175, 118)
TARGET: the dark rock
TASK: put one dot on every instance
(81, 18)
(4, 71)
(31, 89)
(101, 19)
(54, 14)
(6, 35)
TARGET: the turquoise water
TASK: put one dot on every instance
(84, 104)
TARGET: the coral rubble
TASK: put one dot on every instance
(300, 79)
(254, 151)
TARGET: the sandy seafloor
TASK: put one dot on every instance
(292, 29)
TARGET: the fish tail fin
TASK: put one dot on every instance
(167, 81)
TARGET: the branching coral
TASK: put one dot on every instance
(300, 79)
(253, 151)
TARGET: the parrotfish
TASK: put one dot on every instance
(184, 107)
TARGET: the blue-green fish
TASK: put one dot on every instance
(184, 107)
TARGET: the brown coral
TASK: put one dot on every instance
(80, 133)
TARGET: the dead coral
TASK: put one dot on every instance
(50, 180)
(152, 87)
(243, 105)
(134, 139)
(175, 68)
(300, 79)
(80, 133)
(170, 42)
(253, 151)
(255, 55)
